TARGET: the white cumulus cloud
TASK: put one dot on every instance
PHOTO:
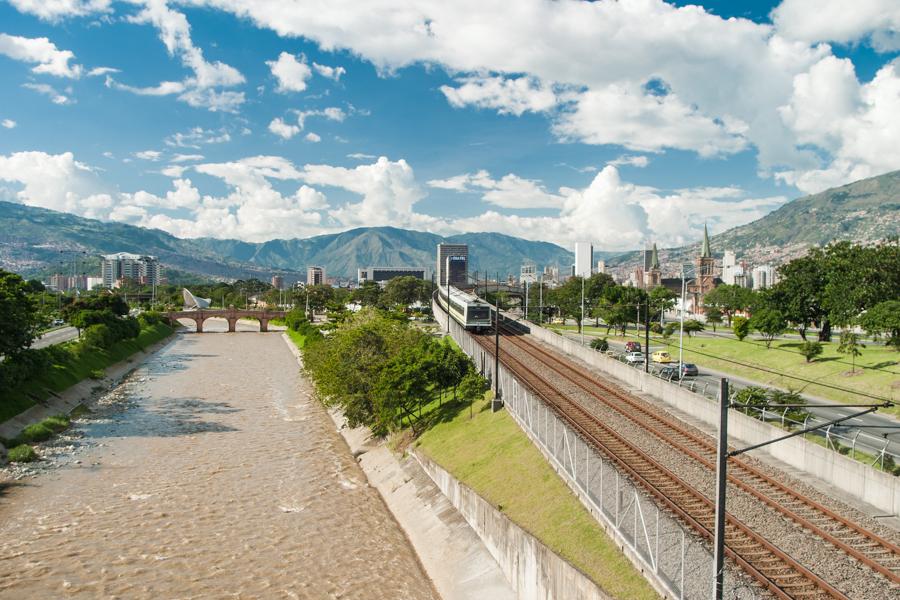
(8, 123)
(55, 10)
(329, 72)
(50, 59)
(283, 130)
(840, 21)
(290, 73)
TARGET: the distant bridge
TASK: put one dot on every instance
(230, 314)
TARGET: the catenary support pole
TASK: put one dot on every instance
(721, 482)
(495, 402)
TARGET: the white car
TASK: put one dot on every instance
(634, 357)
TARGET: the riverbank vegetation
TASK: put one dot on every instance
(382, 372)
(108, 335)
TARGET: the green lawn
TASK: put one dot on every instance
(76, 368)
(490, 454)
(782, 365)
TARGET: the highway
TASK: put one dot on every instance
(57, 336)
(873, 430)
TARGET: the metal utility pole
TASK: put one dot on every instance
(647, 337)
(447, 268)
(721, 482)
(495, 402)
(681, 328)
(526, 300)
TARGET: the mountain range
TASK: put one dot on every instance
(34, 241)
(864, 211)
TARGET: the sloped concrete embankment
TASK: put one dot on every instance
(78, 394)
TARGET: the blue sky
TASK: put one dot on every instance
(622, 123)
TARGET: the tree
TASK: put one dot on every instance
(692, 326)
(729, 299)
(884, 319)
(406, 290)
(851, 345)
(741, 327)
(713, 316)
(810, 350)
(472, 387)
(20, 320)
(662, 299)
(769, 323)
(368, 294)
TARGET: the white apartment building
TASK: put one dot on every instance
(584, 258)
(142, 269)
(764, 276)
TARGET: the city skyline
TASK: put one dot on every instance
(260, 121)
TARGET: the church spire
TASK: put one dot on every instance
(654, 258)
(705, 252)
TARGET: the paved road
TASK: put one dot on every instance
(57, 336)
(873, 429)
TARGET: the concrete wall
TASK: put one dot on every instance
(877, 488)
(535, 571)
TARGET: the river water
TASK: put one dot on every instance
(209, 473)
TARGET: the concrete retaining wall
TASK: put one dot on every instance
(861, 481)
(535, 571)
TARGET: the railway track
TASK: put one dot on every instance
(871, 550)
(783, 576)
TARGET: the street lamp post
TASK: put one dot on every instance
(681, 327)
(581, 323)
(541, 299)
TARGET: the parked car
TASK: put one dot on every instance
(661, 356)
(632, 346)
(634, 357)
(57, 322)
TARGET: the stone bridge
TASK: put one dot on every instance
(230, 314)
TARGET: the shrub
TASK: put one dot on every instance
(56, 423)
(670, 329)
(656, 328)
(150, 318)
(600, 344)
(810, 350)
(35, 433)
(22, 453)
(741, 327)
(97, 374)
(97, 336)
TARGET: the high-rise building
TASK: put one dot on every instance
(528, 273)
(315, 275)
(551, 275)
(729, 267)
(123, 266)
(601, 266)
(278, 282)
(764, 277)
(453, 261)
(584, 258)
(385, 274)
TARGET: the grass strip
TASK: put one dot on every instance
(492, 455)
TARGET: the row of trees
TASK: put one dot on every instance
(840, 285)
(380, 370)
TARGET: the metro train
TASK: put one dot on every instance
(469, 311)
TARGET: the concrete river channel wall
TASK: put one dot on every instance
(672, 558)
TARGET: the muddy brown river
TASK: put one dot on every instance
(209, 473)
